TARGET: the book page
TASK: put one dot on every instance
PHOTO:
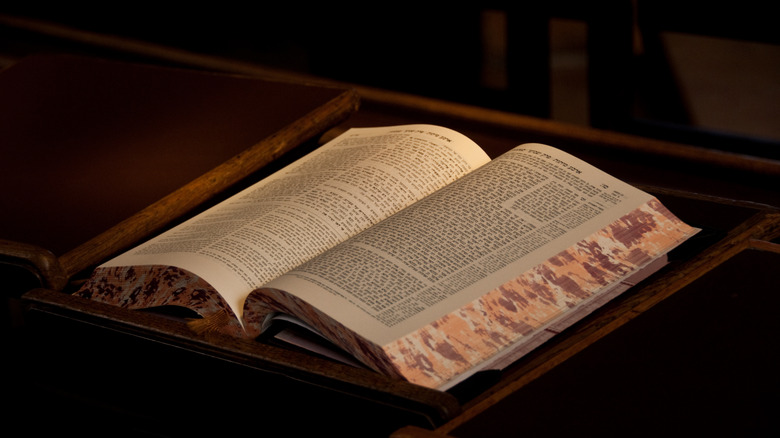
(342, 188)
(465, 240)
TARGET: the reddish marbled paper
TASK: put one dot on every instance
(505, 316)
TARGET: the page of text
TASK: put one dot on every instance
(465, 240)
(343, 187)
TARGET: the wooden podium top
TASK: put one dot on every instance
(89, 143)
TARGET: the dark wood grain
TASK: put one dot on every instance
(157, 216)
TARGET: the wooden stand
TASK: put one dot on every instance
(101, 155)
(78, 361)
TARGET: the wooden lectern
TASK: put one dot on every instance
(85, 367)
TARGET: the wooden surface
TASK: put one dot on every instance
(100, 154)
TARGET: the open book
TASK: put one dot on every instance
(409, 248)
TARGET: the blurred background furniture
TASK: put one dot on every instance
(686, 71)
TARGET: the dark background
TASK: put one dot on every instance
(687, 71)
